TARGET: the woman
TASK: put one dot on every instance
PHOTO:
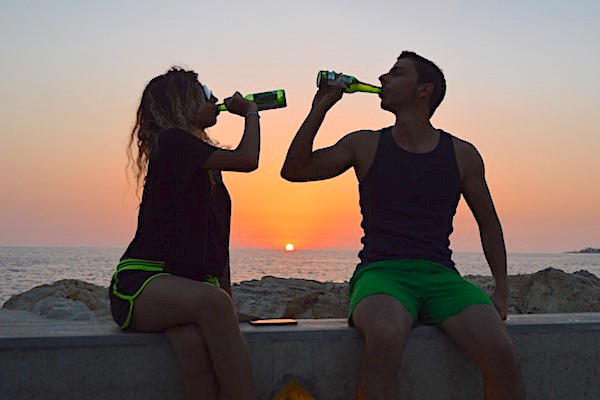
(172, 275)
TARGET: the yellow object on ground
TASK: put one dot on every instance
(293, 391)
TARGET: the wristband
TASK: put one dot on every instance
(252, 113)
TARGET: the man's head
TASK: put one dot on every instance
(413, 78)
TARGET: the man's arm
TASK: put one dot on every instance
(479, 199)
(304, 164)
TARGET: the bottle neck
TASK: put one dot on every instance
(363, 87)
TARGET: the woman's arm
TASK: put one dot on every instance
(244, 158)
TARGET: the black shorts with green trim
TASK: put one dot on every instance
(128, 282)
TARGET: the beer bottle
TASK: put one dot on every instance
(324, 78)
(264, 100)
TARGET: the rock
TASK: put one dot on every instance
(273, 297)
(547, 291)
(67, 299)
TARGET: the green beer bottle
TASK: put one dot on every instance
(264, 100)
(324, 78)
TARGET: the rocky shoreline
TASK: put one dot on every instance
(547, 291)
(587, 250)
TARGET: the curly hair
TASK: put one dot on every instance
(171, 100)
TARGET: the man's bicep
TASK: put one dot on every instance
(475, 190)
(326, 163)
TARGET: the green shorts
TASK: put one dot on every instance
(430, 291)
(128, 282)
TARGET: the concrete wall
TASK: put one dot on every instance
(559, 353)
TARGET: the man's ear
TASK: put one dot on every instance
(425, 89)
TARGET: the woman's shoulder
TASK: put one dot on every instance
(179, 143)
(174, 135)
(180, 137)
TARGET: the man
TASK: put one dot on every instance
(411, 177)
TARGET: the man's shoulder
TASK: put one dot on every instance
(364, 135)
(467, 155)
(461, 145)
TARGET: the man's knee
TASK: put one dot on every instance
(384, 323)
(386, 335)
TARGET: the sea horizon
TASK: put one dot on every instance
(25, 267)
(283, 249)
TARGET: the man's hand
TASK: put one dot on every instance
(327, 96)
(500, 300)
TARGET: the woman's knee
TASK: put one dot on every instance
(212, 304)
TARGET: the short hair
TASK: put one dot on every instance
(428, 73)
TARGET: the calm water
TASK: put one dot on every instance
(23, 268)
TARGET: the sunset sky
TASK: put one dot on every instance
(523, 87)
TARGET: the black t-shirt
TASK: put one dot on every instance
(184, 216)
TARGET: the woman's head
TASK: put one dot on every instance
(173, 100)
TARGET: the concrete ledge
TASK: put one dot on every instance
(559, 353)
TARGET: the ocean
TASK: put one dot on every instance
(23, 268)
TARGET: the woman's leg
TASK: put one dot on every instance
(172, 301)
(191, 351)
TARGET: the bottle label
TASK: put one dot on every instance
(264, 100)
(351, 84)
(327, 78)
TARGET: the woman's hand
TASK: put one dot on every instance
(239, 105)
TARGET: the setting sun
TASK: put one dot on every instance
(289, 247)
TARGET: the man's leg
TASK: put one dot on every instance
(480, 332)
(385, 325)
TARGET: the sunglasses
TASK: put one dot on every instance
(207, 92)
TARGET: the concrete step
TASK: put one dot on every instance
(559, 354)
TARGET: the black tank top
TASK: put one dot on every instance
(407, 201)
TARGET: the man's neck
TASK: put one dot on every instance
(415, 133)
